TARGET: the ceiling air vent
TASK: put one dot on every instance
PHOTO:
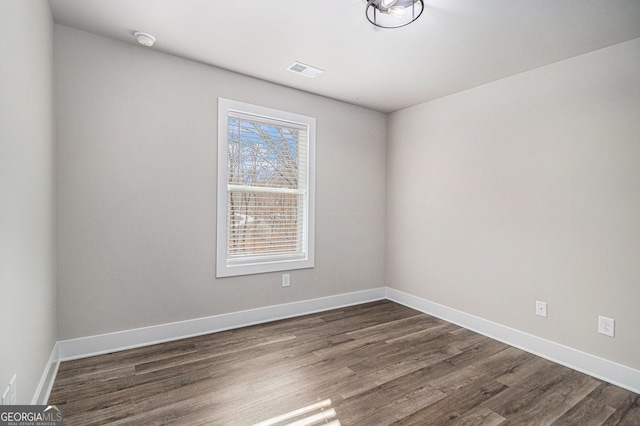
(306, 70)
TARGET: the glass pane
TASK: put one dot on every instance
(263, 223)
(262, 154)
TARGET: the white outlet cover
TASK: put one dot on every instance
(606, 326)
(541, 309)
(286, 280)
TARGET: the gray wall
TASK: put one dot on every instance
(27, 262)
(526, 189)
(137, 189)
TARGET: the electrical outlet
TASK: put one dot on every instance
(541, 309)
(286, 280)
(6, 396)
(12, 387)
(606, 326)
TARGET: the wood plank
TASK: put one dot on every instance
(456, 404)
(479, 416)
(555, 400)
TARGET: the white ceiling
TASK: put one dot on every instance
(455, 44)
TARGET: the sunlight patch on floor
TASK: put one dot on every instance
(319, 413)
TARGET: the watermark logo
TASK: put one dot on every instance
(31, 415)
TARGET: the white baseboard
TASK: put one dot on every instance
(111, 342)
(600, 368)
(83, 347)
(41, 395)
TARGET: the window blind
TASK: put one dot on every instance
(267, 189)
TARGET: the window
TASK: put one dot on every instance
(266, 162)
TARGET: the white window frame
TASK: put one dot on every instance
(226, 267)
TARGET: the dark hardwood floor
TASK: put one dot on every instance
(380, 363)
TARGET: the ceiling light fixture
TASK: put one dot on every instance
(393, 13)
(144, 38)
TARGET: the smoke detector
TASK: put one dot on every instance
(144, 38)
(306, 70)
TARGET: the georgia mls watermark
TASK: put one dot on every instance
(31, 415)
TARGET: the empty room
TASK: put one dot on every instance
(340, 212)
